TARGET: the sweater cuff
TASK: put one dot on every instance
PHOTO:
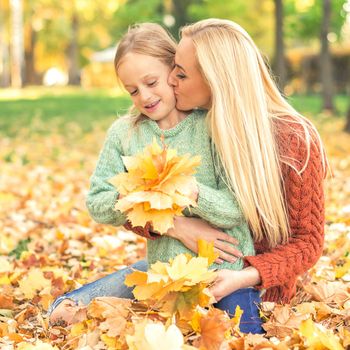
(266, 270)
(203, 205)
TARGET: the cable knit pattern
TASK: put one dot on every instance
(304, 194)
(216, 204)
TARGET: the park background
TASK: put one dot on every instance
(59, 95)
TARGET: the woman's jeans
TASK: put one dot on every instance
(113, 286)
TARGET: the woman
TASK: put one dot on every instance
(273, 158)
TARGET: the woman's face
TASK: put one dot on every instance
(191, 90)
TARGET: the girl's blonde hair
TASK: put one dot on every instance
(245, 106)
(149, 39)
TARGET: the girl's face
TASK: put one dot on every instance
(191, 90)
(146, 80)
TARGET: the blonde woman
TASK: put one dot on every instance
(272, 157)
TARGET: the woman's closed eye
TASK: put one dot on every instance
(181, 76)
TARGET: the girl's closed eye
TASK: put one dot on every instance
(133, 93)
(152, 83)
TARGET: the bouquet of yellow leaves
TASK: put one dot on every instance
(157, 186)
(178, 286)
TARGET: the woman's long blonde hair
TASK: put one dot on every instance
(148, 39)
(245, 106)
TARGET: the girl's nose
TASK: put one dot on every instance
(145, 95)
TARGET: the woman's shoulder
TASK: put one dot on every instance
(298, 141)
(295, 129)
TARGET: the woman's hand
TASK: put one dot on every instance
(228, 281)
(190, 230)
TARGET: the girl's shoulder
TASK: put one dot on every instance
(121, 125)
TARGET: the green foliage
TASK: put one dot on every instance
(62, 109)
(49, 110)
(137, 11)
(21, 247)
(303, 19)
(256, 17)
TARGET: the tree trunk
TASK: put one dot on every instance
(347, 125)
(325, 59)
(180, 13)
(179, 9)
(280, 64)
(31, 76)
(4, 53)
(73, 53)
(17, 50)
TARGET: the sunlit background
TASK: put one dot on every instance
(56, 43)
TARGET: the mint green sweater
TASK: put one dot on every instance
(216, 204)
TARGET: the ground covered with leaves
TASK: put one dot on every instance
(49, 245)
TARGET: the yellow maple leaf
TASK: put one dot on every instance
(206, 250)
(157, 186)
(195, 269)
(33, 282)
(148, 335)
(174, 287)
(38, 345)
(318, 337)
(236, 319)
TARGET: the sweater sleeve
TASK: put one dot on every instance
(102, 195)
(219, 206)
(305, 205)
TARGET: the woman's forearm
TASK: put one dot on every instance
(250, 277)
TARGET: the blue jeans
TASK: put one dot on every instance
(109, 286)
(113, 286)
(248, 300)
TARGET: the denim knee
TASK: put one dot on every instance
(247, 299)
(110, 285)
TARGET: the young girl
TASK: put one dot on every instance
(143, 62)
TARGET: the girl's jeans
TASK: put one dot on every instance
(113, 285)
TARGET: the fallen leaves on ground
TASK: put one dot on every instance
(49, 245)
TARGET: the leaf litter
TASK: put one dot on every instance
(49, 245)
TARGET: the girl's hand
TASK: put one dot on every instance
(145, 232)
(190, 230)
(228, 281)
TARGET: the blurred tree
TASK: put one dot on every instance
(303, 20)
(279, 60)
(347, 125)
(255, 16)
(325, 59)
(4, 46)
(17, 51)
(72, 51)
(182, 15)
(137, 11)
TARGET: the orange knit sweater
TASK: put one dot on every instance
(304, 195)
